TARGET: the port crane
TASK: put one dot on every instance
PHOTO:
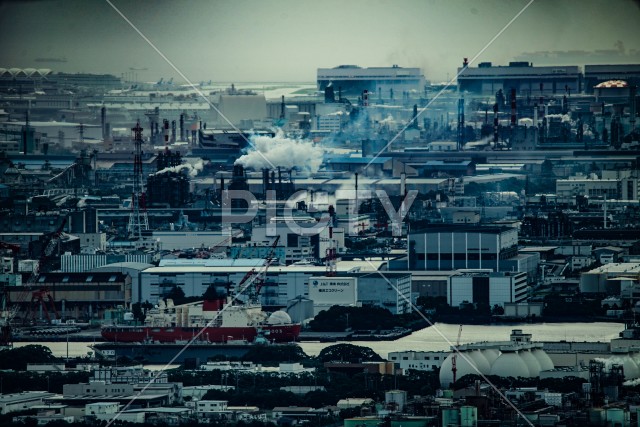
(42, 296)
(259, 280)
(454, 368)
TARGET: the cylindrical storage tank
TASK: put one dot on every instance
(450, 417)
(510, 364)
(546, 364)
(616, 417)
(468, 416)
(532, 363)
(398, 397)
(596, 417)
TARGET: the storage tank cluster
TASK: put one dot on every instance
(505, 361)
(629, 361)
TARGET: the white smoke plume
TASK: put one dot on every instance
(269, 152)
(192, 169)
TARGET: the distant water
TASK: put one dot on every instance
(436, 338)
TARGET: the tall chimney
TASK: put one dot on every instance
(182, 127)
(495, 125)
(357, 208)
(173, 131)
(103, 121)
(513, 107)
(282, 105)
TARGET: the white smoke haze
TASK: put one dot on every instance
(270, 152)
(192, 169)
(389, 120)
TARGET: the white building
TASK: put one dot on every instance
(282, 283)
(15, 402)
(612, 185)
(381, 82)
(487, 288)
(418, 360)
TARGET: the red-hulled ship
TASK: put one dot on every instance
(214, 321)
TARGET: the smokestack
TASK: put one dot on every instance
(265, 181)
(414, 118)
(173, 131)
(513, 107)
(25, 134)
(357, 208)
(282, 105)
(103, 121)
(632, 107)
(495, 126)
(181, 127)
(165, 125)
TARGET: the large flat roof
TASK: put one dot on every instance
(341, 266)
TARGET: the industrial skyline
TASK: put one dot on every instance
(287, 40)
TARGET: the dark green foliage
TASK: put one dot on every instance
(348, 353)
(15, 382)
(274, 354)
(339, 318)
(18, 358)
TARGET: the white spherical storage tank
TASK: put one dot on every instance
(532, 363)
(546, 364)
(510, 364)
(480, 361)
(462, 368)
(491, 354)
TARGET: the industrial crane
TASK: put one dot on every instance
(42, 297)
(259, 281)
(454, 368)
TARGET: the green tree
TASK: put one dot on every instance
(18, 358)
(348, 352)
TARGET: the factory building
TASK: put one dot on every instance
(487, 79)
(620, 185)
(487, 289)
(600, 279)
(596, 74)
(388, 290)
(388, 83)
(193, 276)
(418, 360)
(452, 247)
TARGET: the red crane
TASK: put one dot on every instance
(268, 260)
(454, 368)
(42, 297)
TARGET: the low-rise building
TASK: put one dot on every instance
(418, 360)
(487, 288)
(15, 402)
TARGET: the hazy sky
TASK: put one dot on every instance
(287, 40)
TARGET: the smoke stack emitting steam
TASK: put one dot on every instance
(271, 152)
(192, 169)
